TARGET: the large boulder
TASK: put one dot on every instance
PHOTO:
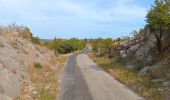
(134, 48)
(148, 52)
(144, 51)
(131, 52)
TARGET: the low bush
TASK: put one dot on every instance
(37, 65)
(35, 40)
(106, 47)
(66, 46)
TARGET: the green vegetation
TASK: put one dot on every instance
(105, 46)
(66, 46)
(35, 40)
(102, 43)
(48, 88)
(37, 65)
(158, 19)
(24, 32)
(60, 45)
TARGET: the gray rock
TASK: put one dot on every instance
(15, 62)
(148, 52)
(145, 49)
(146, 32)
(123, 53)
(157, 80)
(134, 48)
(168, 74)
(166, 84)
(160, 89)
(144, 71)
(5, 97)
(131, 52)
(130, 56)
(130, 66)
(9, 83)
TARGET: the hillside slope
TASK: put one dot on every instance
(19, 61)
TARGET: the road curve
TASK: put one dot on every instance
(84, 80)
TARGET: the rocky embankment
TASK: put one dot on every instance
(142, 55)
(143, 48)
(18, 57)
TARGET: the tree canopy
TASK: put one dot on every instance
(158, 17)
(66, 46)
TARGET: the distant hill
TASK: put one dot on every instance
(46, 40)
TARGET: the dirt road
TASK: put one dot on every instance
(84, 80)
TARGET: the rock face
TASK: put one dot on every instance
(148, 52)
(144, 50)
(10, 85)
(131, 51)
(17, 54)
(5, 97)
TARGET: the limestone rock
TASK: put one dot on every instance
(148, 52)
(157, 80)
(5, 97)
(17, 55)
(131, 52)
(144, 71)
(134, 48)
(130, 66)
(166, 84)
(9, 83)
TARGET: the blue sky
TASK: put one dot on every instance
(76, 18)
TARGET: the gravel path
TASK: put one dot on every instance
(84, 80)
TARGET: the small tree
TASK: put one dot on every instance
(158, 19)
(35, 40)
(134, 33)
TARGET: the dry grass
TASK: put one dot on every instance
(142, 85)
(45, 80)
(117, 70)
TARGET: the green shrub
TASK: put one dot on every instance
(37, 65)
(66, 46)
(35, 40)
(76, 44)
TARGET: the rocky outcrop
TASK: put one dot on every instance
(145, 50)
(17, 55)
(147, 53)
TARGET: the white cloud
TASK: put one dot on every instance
(121, 10)
(73, 13)
(13, 3)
